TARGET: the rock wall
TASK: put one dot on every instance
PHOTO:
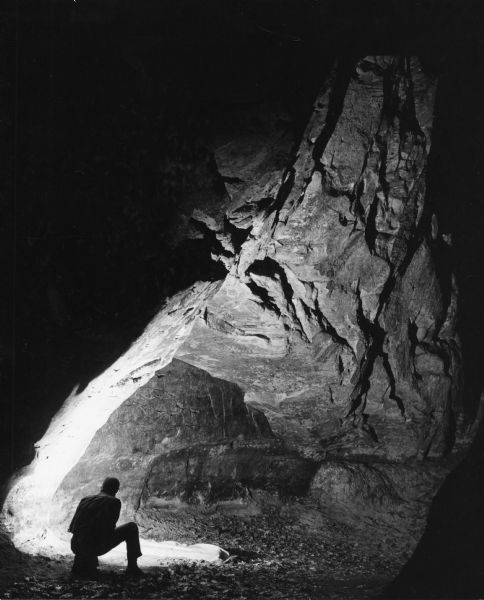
(391, 498)
(447, 561)
(333, 318)
(333, 325)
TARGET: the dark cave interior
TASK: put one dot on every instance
(113, 117)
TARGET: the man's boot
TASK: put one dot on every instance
(85, 567)
(133, 570)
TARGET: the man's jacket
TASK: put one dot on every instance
(93, 523)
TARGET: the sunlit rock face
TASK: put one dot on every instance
(333, 319)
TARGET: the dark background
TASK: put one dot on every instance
(110, 113)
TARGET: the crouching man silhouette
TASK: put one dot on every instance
(94, 532)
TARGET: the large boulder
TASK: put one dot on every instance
(183, 438)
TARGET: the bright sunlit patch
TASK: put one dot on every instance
(29, 504)
(154, 553)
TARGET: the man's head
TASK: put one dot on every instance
(110, 486)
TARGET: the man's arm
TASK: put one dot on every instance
(73, 522)
(114, 510)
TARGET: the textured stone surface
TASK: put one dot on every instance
(332, 319)
(379, 496)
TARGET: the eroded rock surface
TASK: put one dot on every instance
(333, 319)
(389, 497)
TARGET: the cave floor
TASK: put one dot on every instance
(277, 558)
